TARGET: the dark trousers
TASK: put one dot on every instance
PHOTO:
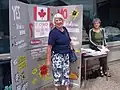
(103, 63)
(103, 60)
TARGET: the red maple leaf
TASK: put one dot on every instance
(42, 13)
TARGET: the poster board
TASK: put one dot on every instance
(29, 29)
(18, 25)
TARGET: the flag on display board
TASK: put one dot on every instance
(41, 13)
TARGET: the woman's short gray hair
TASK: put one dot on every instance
(58, 15)
(96, 20)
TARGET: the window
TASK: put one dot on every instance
(4, 26)
(112, 33)
(110, 16)
(113, 30)
(87, 21)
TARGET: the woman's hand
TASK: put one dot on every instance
(48, 63)
(99, 46)
(106, 46)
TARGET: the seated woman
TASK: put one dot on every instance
(97, 40)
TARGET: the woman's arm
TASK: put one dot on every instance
(49, 49)
(104, 41)
(51, 43)
(71, 46)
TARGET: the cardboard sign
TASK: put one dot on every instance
(29, 29)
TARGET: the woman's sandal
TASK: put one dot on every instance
(107, 74)
(101, 72)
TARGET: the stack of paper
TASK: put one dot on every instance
(104, 49)
(90, 52)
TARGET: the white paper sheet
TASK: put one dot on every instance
(41, 29)
(91, 52)
(104, 49)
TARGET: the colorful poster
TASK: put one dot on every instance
(40, 31)
(29, 29)
(18, 24)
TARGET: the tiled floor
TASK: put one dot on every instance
(100, 83)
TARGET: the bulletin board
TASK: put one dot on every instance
(29, 29)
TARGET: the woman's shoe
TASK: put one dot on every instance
(107, 74)
(101, 72)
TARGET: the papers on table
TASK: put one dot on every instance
(90, 52)
(104, 49)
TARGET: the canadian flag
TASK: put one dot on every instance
(41, 13)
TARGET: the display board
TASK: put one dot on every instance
(29, 29)
(18, 25)
(39, 28)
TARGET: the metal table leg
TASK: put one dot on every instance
(107, 70)
(85, 74)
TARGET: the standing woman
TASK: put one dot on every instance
(97, 40)
(58, 52)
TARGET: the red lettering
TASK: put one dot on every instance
(31, 29)
(64, 12)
